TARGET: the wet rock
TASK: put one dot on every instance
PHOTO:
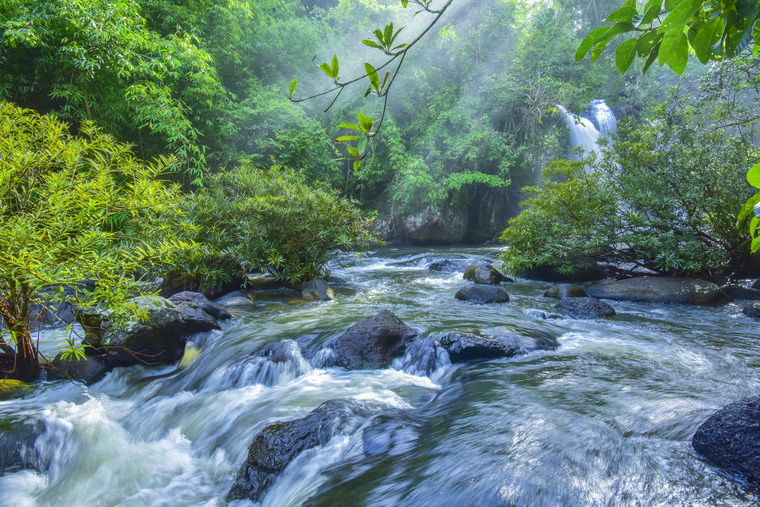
(483, 294)
(187, 299)
(88, 370)
(159, 339)
(566, 290)
(752, 310)
(449, 265)
(238, 298)
(585, 308)
(17, 451)
(739, 292)
(587, 271)
(540, 314)
(730, 439)
(318, 290)
(373, 342)
(392, 435)
(463, 346)
(484, 273)
(444, 226)
(648, 289)
(278, 444)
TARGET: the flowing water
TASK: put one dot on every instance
(606, 419)
(585, 133)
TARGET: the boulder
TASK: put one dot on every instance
(87, 371)
(483, 294)
(187, 299)
(730, 439)
(540, 314)
(160, 338)
(484, 273)
(565, 290)
(464, 346)
(752, 310)
(373, 342)
(585, 308)
(318, 290)
(449, 265)
(235, 299)
(278, 444)
(444, 226)
(648, 289)
(739, 292)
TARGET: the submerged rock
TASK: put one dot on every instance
(238, 298)
(566, 290)
(483, 294)
(484, 273)
(540, 314)
(88, 370)
(373, 342)
(17, 451)
(730, 439)
(278, 444)
(318, 290)
(585, 308)
(648, 289)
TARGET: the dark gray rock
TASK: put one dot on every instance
(373, 342)
(585, 308)
(449, 265)
(88, 371)
(464, 346)
(752, 310)
(730, 439)
(160, 338)
(648, 289)
(484, 273)
(566, 290)
(198, 300)
(483, 294)
(318, 290)
(278, 444)
(540, 314)
(739, 292)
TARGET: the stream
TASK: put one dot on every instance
(605, 419)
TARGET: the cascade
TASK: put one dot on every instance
(584, 132)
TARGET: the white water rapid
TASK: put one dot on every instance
(583, 132)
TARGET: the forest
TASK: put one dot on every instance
(151, 149)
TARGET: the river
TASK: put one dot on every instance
(605, 419)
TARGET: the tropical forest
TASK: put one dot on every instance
(379, 252)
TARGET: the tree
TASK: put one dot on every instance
(73, 210)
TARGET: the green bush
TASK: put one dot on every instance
(270, 220)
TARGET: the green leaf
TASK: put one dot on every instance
(753, 176)
(737, 41)
(651, 10)
(753, 226)
(374, 79)
(357, 164)
(706, 37)
(646, 42)
(670, 41)
(616, 30)
(379, 36)
(625, 54)
(589, 41)
(350, 126)
(372, 44)
(404, 3)
(335, 66)
(292, 87)
(327, 70)
(625, 13)
(362, 146)
(671, 4)
(652, 57)
(680, 15)
(755, 244)
(353, 152)
(388, 34)
(347, 138)
(679, 57)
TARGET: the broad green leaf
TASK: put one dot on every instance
(753, 226)
(706, 37)
(652, 57)
(679, 56)
(646, 42)
(670, 41)
(737, 41)
(672, 4)
(379, 36)
(625, 54)
(388, 34)
(335, 66)
(293, 86)
(589, 41)
(616, 30)
(350, 126)
(372, 44)
(753, 176)
(651, 10)
(747, 9)
(747, 208)
(679, 16)
(404, 3)
(362, 146)
(353, 152)
(357, 164)
(374, 79)
(327, 70)
(755, 244)
(347, 138)
(624, 13)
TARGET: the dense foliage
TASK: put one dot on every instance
(662, 197)
(74, 209)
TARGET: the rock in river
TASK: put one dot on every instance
(565, 290)
(730, 439)
(585, 308)
(484, 273)
(373, 342)
(278, 444)
(464, 346)
(650, 289)
(483, 294)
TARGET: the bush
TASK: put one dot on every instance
(269, 220)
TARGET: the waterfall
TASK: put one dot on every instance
(584, 132)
